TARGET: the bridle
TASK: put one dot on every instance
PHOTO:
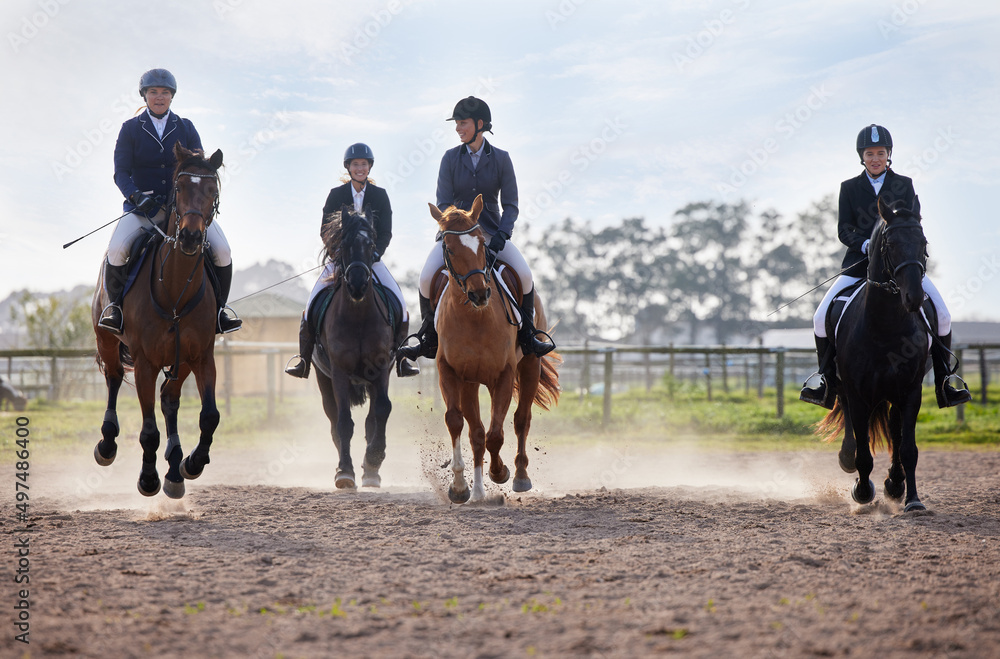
(461, 279)
(888, 269)
(347, 267)
(178, 216)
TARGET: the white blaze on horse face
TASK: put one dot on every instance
(196, 180)
(470, 241)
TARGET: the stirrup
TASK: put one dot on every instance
(107, 318)
(232, 324)
(405, 368)
(820, 395)
(538, 347)
(298, 370)
(950, 396)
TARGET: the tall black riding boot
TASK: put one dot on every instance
(114, 283)
(527, 336)
(307, 341)
(426, 336)
(404, 367)
(947, 395)
(225, 324)
(825, 393)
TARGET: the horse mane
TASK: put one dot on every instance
(339, 230)
(454, 219)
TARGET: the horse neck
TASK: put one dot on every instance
(171, 272)
(885, 314)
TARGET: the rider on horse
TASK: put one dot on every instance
(144, 167)
(474, 168)
(858, 216)
(360, 192)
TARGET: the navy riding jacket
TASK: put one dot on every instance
(459, 184)
(375, 198)
(144, 161)
(859, 213)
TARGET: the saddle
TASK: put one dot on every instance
(845, 297)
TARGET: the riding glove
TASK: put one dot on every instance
(497, 242)
(142, 201)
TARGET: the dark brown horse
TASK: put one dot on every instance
(169, 324)
(477, 345)
(882, 344)
(353, 353)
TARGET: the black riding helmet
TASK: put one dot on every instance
(358, 150)
(874, 135)
(157, 78)
(475, 109)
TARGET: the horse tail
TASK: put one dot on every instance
(547, 394)
(830, 426)
(359, 394)
(878, 428)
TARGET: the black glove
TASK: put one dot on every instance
(142, 201)
(497, 242)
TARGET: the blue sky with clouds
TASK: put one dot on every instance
(609, 110)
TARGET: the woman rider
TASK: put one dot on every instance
(360, 192)
(474, 168)
(144, 168)
(858, 215)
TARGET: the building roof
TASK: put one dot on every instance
(268, 305)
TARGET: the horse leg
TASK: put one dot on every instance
(378, 415)
(864, 490)
(848, 447)
(529, 372)
(343, 430)
(459, 491)
(908, 450)
(106, 449)
(193, 465)
(500, 396)
(149, 437)
(894, 487)
(469, 398)
(170, 402)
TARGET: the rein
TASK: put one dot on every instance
(461, 279)
(383, 309)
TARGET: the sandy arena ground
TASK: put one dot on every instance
(619, 551)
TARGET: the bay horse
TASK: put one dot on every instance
(881, 348)
(170, 320)
(354, 346)
(477, 345)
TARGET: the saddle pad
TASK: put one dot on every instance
(317, 310)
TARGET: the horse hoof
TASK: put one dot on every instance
(101, 460)
(459, 497)
(371, 480)
(172, 489)
(186, 473)
(503, 478)
(151, 491)
(860, 499)
(894, 490)
(914, 505)
(345, 481)
(522, 484)
(847, 463)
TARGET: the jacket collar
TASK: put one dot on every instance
(463, 150)
(147, 125)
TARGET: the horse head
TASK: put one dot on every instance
(898, 253)
(349, 238)
(196, 197)
(464, 249)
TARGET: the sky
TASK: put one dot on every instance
(609, 110)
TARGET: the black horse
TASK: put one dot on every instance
(882, 346)
(355, 341)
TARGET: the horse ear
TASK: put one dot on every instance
(180, 153)
(216, 160)
(477, 207)
(346, 209)
(885, 210)
(436, 212)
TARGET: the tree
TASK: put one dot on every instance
(54, 321)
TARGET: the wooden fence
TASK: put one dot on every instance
(587, 370)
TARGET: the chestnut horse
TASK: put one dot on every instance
(353, 353)
(170, 322)
(477, 345)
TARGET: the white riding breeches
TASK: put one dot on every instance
(379, 271)
(133, 224)
(843, 281)
(510, 255)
